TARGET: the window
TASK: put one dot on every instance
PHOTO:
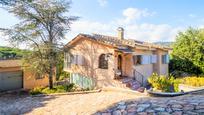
(67, 60)
(143, 59)
(146, 59)
(103, 61)
(137, 59)
(78, 60)
(153, 58)
(165, 59)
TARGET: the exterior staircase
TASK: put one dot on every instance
(131, 83)
(135, 83)
(127, 82)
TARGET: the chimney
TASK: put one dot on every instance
(120, 33)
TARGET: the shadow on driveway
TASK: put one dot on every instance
(20, 103)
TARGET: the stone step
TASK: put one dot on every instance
(126, 80)
(129, 83)
(136, 86)
(133, 83)
(117, 83)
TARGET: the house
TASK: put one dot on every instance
(107, 59)
(14, 77)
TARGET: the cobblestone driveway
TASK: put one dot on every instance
(184, 105)
(101, 103)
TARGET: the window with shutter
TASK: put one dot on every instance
(65, 60)
(68, 60)
(165, 59)
(74, 60)
(137, 59)
(153, 58)
(145, 59)
(81, 60)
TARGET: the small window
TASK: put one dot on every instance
(67, 60)
(137, 59)
(103, 61)
(78, 60)
(153, 58)
(165, 59)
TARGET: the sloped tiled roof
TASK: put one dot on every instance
(10, 63)
(114, 41)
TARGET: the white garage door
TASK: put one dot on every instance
(11, 80)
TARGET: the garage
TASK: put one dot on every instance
(12, 80)
(11, 75)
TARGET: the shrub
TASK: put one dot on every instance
(49, 91)
(163, 83)
(56, 89)
(36, 91)
(193, 81)
(64, 75)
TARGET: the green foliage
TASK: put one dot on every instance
(12, 53)
(60, 74)
(188, 52)
(43, 24)
(163, 83)
(178, 66)
(36, 91)
(55, 89)
(193, 81)
(64, 75)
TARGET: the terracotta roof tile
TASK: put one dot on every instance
(110, 40)
(10, 63)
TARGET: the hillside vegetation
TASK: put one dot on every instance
(11, 53)
(168, 44)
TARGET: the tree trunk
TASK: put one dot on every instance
(51, 77)
(51, 68)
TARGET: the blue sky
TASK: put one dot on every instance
(145, 20)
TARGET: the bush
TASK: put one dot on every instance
(193, 81)
(64, 75)
(56, 89)
(36, 91)
(179, 67)
(163, 83)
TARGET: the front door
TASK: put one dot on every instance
(120, 64)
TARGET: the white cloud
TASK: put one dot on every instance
(102, 2)
(139, 31)
(152, 32)
(192, 15)
(143, 32)
(132, 14)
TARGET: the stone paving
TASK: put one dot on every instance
(183, 105)
(103, 103)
